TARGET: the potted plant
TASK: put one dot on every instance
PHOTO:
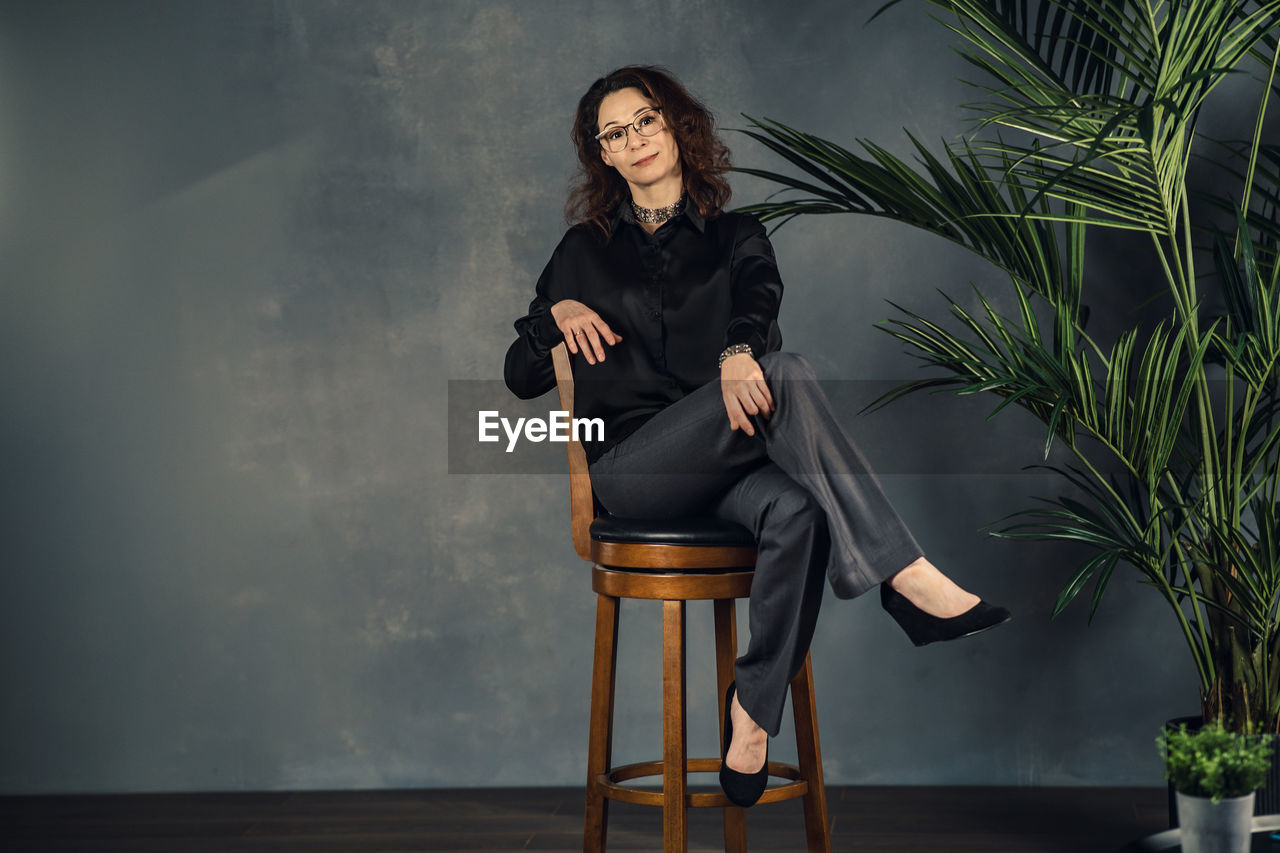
(1087, 119)
(1215, 773)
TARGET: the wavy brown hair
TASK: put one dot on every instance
(599, 189)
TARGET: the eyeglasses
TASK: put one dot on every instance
(647, 123)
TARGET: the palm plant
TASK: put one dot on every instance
(1088, 119)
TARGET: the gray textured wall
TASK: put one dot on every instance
(243, 248)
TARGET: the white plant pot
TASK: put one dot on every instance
(1221, 827)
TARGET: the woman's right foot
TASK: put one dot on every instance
(742, 788)
(748, 749)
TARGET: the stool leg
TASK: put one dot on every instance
(810, 754)
(735, 824)
(675, 828)
(600, 745)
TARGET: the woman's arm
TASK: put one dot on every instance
(757, 296)
(756, 289)
(528, 370)
(554, 316)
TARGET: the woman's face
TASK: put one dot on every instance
(646, 160)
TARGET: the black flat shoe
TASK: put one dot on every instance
(923, 628)
(742, 789)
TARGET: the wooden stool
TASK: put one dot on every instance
(675, 561)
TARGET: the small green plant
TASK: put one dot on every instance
(1213, 762)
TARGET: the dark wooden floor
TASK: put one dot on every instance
(880, 819)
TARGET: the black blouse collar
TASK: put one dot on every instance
(623, 214)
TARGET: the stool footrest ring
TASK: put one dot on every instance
(672, 586)
(611, 787)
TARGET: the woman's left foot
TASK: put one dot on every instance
(941, 610)
(930, 590)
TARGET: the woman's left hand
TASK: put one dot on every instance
(745, 392)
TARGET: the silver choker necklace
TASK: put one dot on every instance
(658, 215)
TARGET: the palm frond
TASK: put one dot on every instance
(1117, 529)
(952, 196)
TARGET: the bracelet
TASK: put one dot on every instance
(734, 349)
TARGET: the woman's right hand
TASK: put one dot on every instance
(583, 327)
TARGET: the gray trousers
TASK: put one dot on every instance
(799, 484)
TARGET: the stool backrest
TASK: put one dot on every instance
(582, 507)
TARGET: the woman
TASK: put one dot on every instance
(669, 306)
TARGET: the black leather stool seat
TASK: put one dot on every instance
(706, 531)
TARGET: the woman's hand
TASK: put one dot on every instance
(745, 392)
(584, 328)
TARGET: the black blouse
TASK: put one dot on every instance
(676, 297)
